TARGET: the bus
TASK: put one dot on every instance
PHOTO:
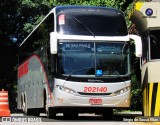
(146, 17)
(76, 60)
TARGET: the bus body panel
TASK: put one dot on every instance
(41, 84)
(32, 78)
(83, 101)
(82, 98)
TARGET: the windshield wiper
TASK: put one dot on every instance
(116, 74)
(84, 26)
(76, 71)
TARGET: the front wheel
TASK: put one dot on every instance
(70, 115)
(35, 112)
(26, 111)
(51, 113)
(107, 114)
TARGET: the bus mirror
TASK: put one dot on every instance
(53, 43)
(138, 44)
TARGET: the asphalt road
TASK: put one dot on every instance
(125, 118)
(122, 118)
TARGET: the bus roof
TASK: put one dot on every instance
(75, 8)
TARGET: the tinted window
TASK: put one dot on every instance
(84, 58)
(155, 44)
(91, 24)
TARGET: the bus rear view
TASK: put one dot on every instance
(90, 61)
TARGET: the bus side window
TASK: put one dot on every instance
(153, 47)
(154, 44)
(145, 54)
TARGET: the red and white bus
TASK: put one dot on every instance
(76, 60)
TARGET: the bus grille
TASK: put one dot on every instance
(96, 94)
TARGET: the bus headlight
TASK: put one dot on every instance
(67, 90)
(119, 92)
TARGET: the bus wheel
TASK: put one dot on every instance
(45, 102)
(107, 114)
(22, 103)
(51, 113)
(26, 110)
(70, 115)
(35, 112)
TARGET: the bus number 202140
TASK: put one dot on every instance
(95, 89)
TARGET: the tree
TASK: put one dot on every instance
(8, 47)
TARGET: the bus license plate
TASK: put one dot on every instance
(95, 101)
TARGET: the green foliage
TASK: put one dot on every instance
(31, 12)
(29, 4)
(127, 12)
(136, 94)
(28, 27)
(8, 49)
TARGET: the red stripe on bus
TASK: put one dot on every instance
(26, 63)
(23, 69)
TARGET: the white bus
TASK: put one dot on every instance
(76, 60)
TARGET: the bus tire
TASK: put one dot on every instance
(70, 115)
(45, 101)
(26, 110)
(51, 113)
(22, 103)
(107, 114)
(35, 112)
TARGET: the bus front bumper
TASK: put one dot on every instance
(62, 99)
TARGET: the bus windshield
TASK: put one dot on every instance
(90, 24)
(94, 59)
